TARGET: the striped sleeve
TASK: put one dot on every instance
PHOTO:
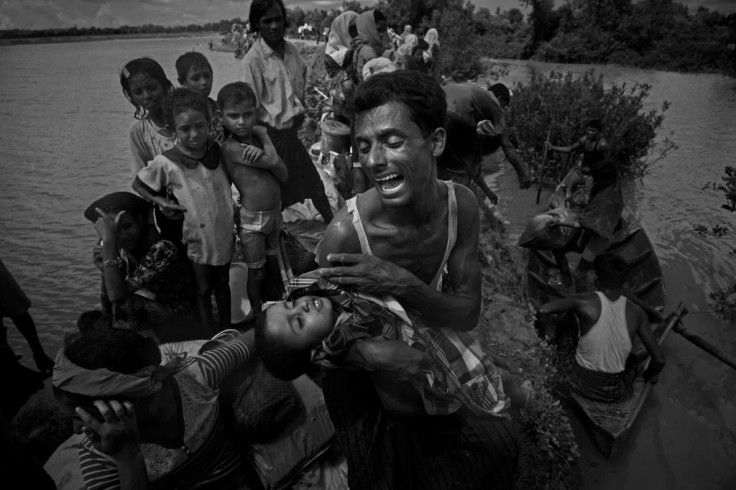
(215, 364)
(98, 472)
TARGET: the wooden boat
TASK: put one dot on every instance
(608, 423)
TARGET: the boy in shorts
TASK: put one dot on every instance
(256, 170)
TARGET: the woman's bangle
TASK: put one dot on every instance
(116, 262)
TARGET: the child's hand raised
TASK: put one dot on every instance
(251, 154)
(117, 432)
(105, 226)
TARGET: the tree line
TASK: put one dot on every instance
(660, 34)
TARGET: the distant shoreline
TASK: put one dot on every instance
(101, 37)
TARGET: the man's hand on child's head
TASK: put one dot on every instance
(251, 154)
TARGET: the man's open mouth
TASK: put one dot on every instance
(390, 183)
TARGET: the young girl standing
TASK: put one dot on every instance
(145, 86)
(192, 171)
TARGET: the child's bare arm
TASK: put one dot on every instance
(150, 195)
(235, 153)
(278, 168)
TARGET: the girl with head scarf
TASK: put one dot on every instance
(338, 43)
(431, 53)
(433, 40)
(372, 40)
(145, 282)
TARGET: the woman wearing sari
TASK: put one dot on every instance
(337, 50)
(145, 282)
(372, 41)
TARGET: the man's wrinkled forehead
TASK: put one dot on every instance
(392, 116)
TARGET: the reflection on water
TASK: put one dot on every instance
(64, 143)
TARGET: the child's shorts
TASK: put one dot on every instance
(259, 233)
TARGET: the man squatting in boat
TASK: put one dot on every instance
(596, 363)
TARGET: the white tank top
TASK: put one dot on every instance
(607, 344)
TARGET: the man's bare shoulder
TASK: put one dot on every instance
(468, 212)
(340, 237)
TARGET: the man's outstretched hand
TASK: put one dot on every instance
(367, 274)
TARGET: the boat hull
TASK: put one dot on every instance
(607, 423)
(610, 423)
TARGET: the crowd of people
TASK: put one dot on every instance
(380, 322)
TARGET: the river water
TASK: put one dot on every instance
(64, 143)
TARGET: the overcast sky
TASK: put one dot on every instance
(41, 14)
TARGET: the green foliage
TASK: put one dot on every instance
(460, 50)
(729, 188)
(724, 300)
(563, 104)
(548, 449)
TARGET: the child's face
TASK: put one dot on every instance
(146, 91)
(128, 232)
(191, 129)
(592, 133)
(302, 324)
(199, 79)
(239, 118)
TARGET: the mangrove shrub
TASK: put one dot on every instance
(724, 300)
(561, 104)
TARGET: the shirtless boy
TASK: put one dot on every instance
(256, 170)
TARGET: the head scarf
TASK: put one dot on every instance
(340, 30)
(368, 33)
(378, 65)
(432, 37)
(338, 43)
(104, 383)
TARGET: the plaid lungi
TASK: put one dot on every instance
(593, 385)
(461, 375)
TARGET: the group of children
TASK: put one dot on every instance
(187, 151)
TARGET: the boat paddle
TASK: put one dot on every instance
(680, 328)
(544, 162)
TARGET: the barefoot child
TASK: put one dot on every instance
(319, 323)
(256, 170)
(193, 172)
